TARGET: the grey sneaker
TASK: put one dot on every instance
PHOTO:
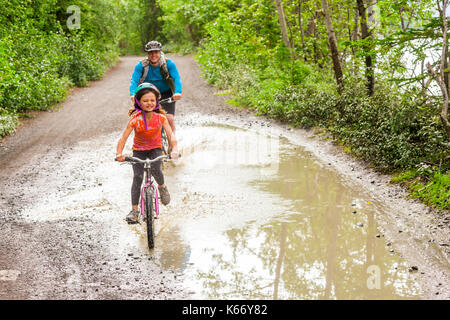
(164, 195)
(133, 217)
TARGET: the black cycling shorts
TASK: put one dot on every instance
(169, 107)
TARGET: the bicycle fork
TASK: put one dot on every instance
(149, 184)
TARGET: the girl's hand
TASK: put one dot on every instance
(120, 157)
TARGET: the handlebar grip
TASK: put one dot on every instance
(128, 159)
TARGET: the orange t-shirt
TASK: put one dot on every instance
(147, 139)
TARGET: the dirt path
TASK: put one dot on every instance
(90, 257)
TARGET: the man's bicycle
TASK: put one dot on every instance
(149, 199)
(164, 138)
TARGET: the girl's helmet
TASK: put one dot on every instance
(139, 92)
(153, 46)
(147, 85)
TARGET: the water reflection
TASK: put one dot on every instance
(300, 232)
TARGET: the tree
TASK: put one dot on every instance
(333, 44)
(365, 35)
(440, 79)
(283, 25)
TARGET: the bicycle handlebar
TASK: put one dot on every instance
(168, 100)
(134, 159)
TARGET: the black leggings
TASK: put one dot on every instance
(138, 170)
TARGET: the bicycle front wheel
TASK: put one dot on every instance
(149, 218)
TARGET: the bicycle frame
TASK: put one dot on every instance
(148, 183)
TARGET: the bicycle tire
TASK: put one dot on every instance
(164, 142)
(149, 218)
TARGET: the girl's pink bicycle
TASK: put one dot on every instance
(149, 200)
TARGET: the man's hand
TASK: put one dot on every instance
(176, 96)
(174, 155)
(120, 157)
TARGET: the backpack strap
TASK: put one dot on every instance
(164, 70)
(145, 65)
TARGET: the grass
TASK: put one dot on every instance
(433, 189)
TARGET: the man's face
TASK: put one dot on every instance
(154, 56)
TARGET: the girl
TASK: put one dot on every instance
(146, 120)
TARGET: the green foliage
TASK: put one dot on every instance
(140, 24)
(389, 129)
(8, 122)
(183, 22)
(435, 192)
(29, 82)
(427, 184)
(83, 60)
(40, 57)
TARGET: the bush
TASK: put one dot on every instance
(40, 58)
(389, 129)
(435, 192)
(30, 82)
(8, 122)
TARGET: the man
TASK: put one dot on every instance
(162, 73)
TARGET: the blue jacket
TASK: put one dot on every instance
(154, 77)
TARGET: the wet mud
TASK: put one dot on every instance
(259, 210)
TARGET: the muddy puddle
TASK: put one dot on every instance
(259, 218)
(252, 217)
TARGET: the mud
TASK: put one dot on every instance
(307, 224)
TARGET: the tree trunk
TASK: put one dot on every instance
(312, 33)
(440, 79)
(300, 22)
(400, 10)
(364, 35)
(354, 36)
(356, 21)
(333, 44)
(283, 26)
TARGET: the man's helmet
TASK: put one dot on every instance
(153, 46)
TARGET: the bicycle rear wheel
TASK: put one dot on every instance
(164, 142)
(149, 218)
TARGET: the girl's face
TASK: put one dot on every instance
(148, 101)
